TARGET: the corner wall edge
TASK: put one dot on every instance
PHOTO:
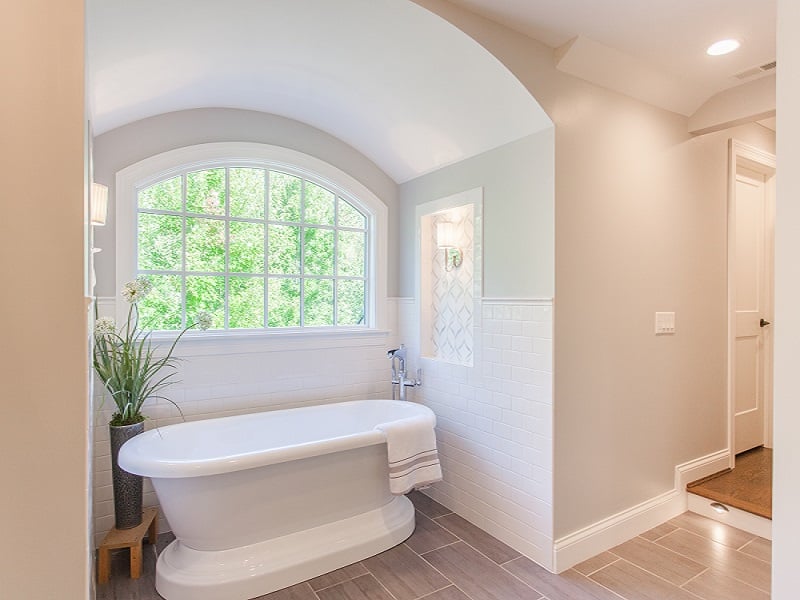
(616, 529)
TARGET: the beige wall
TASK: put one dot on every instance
(43, 411)
(786, 476)
(640, 227)
(630, 406)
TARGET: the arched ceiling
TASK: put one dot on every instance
(399, 84)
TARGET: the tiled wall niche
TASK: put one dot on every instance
(447, 297)
(451, 294)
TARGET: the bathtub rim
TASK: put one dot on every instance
(134, 459)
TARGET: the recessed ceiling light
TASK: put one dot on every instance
(722, 47)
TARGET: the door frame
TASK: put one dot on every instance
(762, 162)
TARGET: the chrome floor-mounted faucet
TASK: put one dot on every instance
(399, 376)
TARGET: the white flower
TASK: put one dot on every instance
(205, 320)
(105, 326)
(133, 291)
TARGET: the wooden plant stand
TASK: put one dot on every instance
(128, 538)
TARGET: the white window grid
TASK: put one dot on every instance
(302, 225)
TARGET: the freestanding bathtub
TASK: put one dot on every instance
(262, 501)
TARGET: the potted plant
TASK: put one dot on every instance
(132, 370)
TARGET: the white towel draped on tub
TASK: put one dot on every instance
(413, 459)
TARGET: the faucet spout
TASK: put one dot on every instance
(400, 376)
(400, 355)
(390, 356)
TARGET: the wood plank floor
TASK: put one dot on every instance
(448, 558)
(747, 487)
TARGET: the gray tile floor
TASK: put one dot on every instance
(447, 558)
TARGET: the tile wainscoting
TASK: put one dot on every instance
(495, 430)
(494, 418)
(252, 376)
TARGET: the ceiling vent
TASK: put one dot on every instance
(756, 70)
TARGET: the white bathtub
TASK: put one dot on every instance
(262, 501)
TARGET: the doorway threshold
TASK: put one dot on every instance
(734, 517)
(747, 487)
(741, 497)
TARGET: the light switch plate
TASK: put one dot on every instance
(665, 323)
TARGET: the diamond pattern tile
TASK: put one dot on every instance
(453, 297)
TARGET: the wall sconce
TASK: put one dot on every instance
(99, 203)
(446, 239)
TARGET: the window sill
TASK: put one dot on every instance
(208, 343)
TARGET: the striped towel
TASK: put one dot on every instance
(413, 459)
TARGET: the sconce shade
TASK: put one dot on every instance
(446, 235)
(447, 240)
(99, 203)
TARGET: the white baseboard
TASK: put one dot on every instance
(734, 517)
(612, 531)
(590, 541)
(701, 467)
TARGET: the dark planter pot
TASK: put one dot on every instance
(127, 487)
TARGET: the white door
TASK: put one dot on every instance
(752, 377)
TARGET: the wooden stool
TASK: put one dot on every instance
(128, 538)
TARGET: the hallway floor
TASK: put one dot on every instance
(447, 558)
(747, 487)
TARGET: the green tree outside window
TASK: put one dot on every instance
(255, 247)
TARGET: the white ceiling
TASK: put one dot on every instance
(669, 36)
(402, 86)
(407, 89)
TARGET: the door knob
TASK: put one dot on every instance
(763, 323)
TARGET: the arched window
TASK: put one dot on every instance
(259, 238)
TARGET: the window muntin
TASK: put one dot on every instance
(258, 247)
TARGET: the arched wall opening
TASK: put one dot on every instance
(417, 111)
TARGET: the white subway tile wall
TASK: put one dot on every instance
(494, 418)
(495, 430)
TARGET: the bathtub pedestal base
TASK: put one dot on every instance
(250, 571)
